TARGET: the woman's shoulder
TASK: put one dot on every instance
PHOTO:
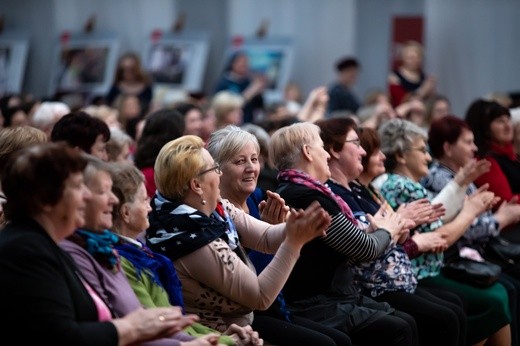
(300, 196)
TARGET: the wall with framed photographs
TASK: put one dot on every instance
(83, 66)
(177, 61)
(270, 57)
(14, 49)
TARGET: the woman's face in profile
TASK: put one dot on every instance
(70, 211)
(351, 155)
(99, 207)
(376, 164)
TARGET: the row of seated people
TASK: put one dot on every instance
(318, 276)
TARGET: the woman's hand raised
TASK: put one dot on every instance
(304, 225)
(392, 222)
(273, 210)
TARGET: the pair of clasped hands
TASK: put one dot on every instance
(151, 324)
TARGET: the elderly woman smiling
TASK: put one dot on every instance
(200, 234)
(407, 159)
(321, 287)
(42, 289)
(237, 152)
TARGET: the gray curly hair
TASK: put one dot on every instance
(397, 136)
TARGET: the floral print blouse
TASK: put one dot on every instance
(392, 270)
(398, 189)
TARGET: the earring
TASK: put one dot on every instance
(203, 202)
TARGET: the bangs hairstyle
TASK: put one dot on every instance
(370, 142)
(447, 129)
(228, 141)
(479, 116)
(334, 132)
(178, 162)
(36, 177)
(286, 143)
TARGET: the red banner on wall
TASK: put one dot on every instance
(404, 29)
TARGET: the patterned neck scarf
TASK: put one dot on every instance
(100, 246)
(158, 267)
(177, 229)
(299, 177)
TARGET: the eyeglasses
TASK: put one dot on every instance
(215, 168)
(357, 142)
(424, 150)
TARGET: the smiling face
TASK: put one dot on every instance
(70, 210)
(193, 122)
(99, 208)
(240, 173)
(416, 159)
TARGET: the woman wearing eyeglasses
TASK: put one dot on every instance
(203, 236)
(407, 161)
(390, 278)
(238, 153)
(321, 286)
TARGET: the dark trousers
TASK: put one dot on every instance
(439, 321)
(300, 331)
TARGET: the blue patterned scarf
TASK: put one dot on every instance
(158, 267)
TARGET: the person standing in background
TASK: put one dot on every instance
(341, 95)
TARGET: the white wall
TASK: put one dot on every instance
(323, 31)
(45, 20)
(473, 48)
(470, 44)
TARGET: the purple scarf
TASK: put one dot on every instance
(299, 177)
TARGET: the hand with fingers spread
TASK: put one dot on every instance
(471, 171)
(273, 210)
(479, 201)
(508, 213)
(421, 211)
(304, 225)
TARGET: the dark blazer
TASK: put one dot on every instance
(42, 299)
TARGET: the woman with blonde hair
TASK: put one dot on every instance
(204, 236)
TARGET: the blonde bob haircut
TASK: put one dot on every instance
(178, 162)
(227, 142)
(287, 142)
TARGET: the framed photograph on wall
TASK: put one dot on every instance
(271, 57)
(13, 58)
(84, 64)
(177, 61)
